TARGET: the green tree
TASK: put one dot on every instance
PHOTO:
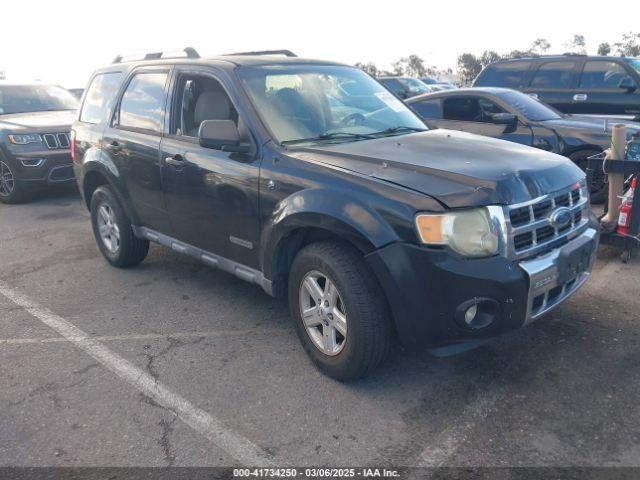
(368, 67)
(540, 46)
(604, 49)
(629, 46)
(577, 44)
(488, 57)
(469, 67)
(413, 66)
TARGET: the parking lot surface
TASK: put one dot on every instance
(174, 363)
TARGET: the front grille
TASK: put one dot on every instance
(56, 141)
(531, 231)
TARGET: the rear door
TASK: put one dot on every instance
(132, 141)
(211, 195)
(553, 82)
(598, 91)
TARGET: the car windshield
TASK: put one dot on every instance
(635, 63)
(325, 103)
(528, 106)
(415, 85)
(35, 98)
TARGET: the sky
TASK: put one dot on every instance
(63, 41)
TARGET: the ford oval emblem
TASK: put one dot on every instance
(560, 217)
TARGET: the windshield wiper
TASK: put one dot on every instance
(328, 136)
(398, 129)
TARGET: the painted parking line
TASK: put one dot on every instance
(134, 337)
(211, 428)
(444, 446)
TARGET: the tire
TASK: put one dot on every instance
(360, 300)
(12, 190)
(598, 189)
(107, 216)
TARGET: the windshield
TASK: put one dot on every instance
(35, 98)
(325, 103)
(528, 106)
(635, 63)
(415, 85)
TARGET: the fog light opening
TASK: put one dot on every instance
(478, 313)
(32, 162)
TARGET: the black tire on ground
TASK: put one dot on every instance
(370, 335)
(131, 249)
(598, 189)
(12, 191)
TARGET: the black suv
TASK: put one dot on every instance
(35, 121)
(572, 83)
(313, 181)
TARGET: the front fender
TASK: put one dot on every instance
(326, 209)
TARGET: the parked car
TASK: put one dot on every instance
(405, 87)
(35, 120)
(572, 83)
(511, 115)
(372, 226)
(440, 85)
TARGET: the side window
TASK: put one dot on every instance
(429, 109)
(602, 74)
(487, 108)
(554, 75)
(507, 74)
(142, 105)
(199, 98)
(393, 85)
(463, 109)
(100, 97)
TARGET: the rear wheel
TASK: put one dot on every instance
(12, 190)
(598, 185)
(340, 312)
(113, 231)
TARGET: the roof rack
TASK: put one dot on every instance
(286, 53)
(190, 52)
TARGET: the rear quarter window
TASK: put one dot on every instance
(100, 97)
(507, 75)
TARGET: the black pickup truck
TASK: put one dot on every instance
(313, 181)
(35, 151)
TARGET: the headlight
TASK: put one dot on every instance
(468, 232)
(25, 139)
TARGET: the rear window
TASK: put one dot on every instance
(428, 109)
(507, 75)
(554, 75)
(100, 96)
(142, 104)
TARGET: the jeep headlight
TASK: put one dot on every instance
(468, 232)
(25, 139)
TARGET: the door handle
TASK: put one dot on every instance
(175, 161)
(580, 97)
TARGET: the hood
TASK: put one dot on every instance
(593, 125)
(38, 121)
(456, 168)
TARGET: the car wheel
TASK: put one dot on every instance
(598, 187)
(340, 312)
(12, 190)
(113, 231)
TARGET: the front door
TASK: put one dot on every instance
(599, 90)
(211, 195)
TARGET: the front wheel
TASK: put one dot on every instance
(339, 310)
(12, 190)
(113, 231)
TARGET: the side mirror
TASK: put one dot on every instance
(504, 119)
(628, 84)
(221, 135)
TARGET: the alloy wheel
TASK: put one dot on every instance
(7, 182)
(108, 228)
(323, 313)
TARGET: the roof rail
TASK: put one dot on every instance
(190, 52)
(286, 53)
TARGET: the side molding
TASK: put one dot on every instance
(241, 271)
